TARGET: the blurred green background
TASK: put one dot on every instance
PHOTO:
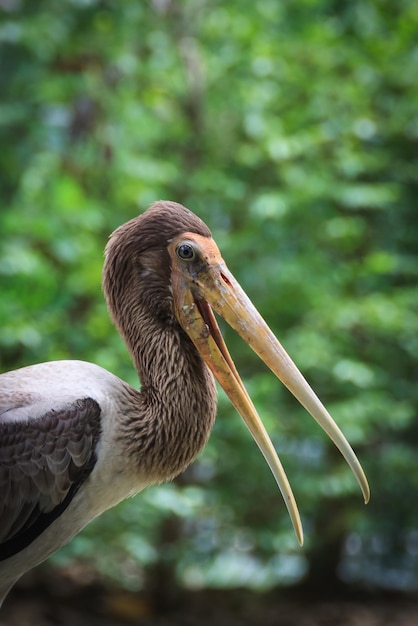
(291, 128)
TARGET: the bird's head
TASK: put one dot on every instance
(179, 248)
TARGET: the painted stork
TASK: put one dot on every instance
(75, 440)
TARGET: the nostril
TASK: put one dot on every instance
(226, 280)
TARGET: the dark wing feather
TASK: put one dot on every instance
(43, 462)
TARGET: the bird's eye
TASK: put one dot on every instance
(186, 252)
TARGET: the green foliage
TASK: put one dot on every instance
(291, 128)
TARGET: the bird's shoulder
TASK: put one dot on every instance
(47, 450)
(30, 392)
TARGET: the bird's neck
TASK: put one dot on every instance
(177, 402)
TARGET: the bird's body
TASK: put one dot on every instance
(102, 459)
(75, 439)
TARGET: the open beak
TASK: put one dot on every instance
(204, 282)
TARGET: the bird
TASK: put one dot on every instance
(75, 439)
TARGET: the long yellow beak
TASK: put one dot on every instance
(200, 279)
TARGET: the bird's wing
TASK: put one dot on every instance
(43, 461)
